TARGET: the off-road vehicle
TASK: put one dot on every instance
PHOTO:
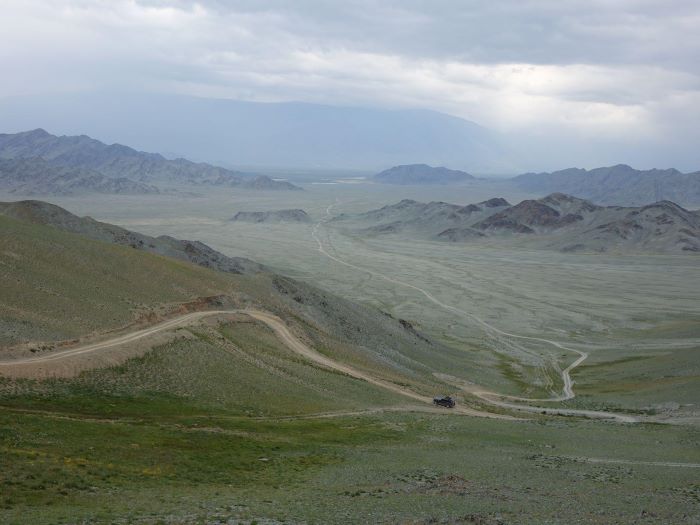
(444, 401)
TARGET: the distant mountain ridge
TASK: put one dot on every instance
(620, 184)
(122, 162)
(421, 174)
(557, 221)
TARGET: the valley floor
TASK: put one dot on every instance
(636, 316)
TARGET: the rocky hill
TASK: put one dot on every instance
(620, 185)
(558, 221)
(659, 227)
(38, 212)
(554, 211)
(421, 174)
(295, 215)
(118, 161)
(429, 218)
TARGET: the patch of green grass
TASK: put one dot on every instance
(390, 468)
(49, 460)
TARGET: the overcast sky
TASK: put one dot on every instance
(593, 68)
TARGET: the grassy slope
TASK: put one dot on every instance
(58, 285)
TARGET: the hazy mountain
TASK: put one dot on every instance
(118, 161)
(38, 212)
(36, 176)
(271, 216)
(421, 174)
(621, 185)
(286, 135)
(557, 221)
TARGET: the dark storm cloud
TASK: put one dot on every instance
(542, 32)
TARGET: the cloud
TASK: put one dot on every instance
(588, 67)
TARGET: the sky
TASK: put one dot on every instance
(624, 70)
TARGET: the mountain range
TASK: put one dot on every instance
(36, 176)
(37, 162)
(557, 221)
(620, 184)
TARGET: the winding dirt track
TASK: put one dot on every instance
(492, 397)
(117, 341)
(275, 323)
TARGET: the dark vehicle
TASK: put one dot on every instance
(445, 401)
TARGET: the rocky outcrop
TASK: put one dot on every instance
(460, 234)
(295, 215)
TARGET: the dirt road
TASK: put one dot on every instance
(117, 341)
(275, 323)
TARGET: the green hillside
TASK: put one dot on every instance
(58, 285)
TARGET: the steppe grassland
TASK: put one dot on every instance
(637, 316)
(174, 461)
